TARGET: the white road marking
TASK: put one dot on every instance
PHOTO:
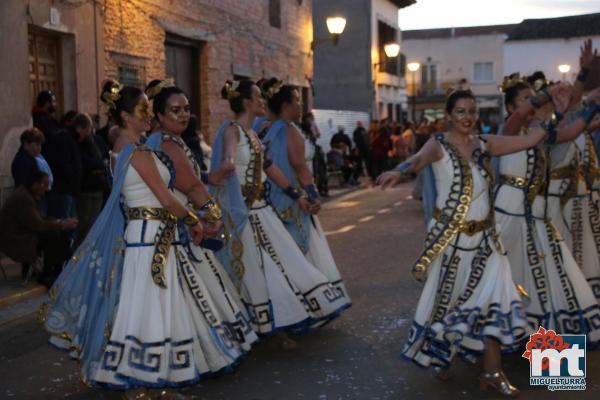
(398, 203)
(367, 218)
(384, 211)
(344, 229)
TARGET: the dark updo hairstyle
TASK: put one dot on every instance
(538, 80)
(236, 97)
(261, 85)
(455, 96)
(128, 97)
(512, 87)
(149, 86)
(159, 101)
(276, 98)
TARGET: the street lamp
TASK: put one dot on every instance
(391, 49)
(414, 67)
(564, 69)
(335, 26)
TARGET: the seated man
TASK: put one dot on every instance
(26, 232)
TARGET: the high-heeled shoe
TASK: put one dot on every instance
(498, 381)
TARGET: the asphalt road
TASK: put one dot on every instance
(375, 237)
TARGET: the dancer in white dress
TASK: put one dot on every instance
(130, 305)
(283, 290)
(542, 264)
(284, 144)
(469, 303)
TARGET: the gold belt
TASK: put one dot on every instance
(516, 181)
(253, 192)
(467, 227)
(162, 241)
(148, 214)
(567, 172)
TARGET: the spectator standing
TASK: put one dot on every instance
(380, 147)
(26, 232)
(29, 159)
(94, 184)
(341, 137)
(61, 152)
(361, 141)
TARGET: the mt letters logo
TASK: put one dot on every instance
(556, 361)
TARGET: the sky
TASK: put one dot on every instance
(427, 14)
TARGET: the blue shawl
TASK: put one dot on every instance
(230, 198)
(83, 301)
(295, 220)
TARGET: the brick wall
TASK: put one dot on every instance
(236, 36)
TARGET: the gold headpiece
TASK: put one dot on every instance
(510, 81)
(155, 90)
(273, 90)
(231, 88)
(540, 83)
(460, 85)
(112, 96)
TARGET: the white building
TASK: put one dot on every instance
(451, 57)
(544, 44)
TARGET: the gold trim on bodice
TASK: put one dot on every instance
(162, 241)
(469, 227)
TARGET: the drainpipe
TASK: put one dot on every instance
(97, 63)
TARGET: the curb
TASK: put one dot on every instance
(22, 296)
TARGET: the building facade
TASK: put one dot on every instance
(544, 44)
(450, 58)
(72, 46)
(354, 74)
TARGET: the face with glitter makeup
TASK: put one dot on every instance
(464, 116)
(177, 114)
(139, 119)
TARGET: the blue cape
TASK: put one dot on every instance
(230, 198)
(83, 301)
(295, 220)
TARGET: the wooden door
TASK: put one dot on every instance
(44, 65)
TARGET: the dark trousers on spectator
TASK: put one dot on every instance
(89, 206)
(60, 205)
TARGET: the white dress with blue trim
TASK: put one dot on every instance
(469, 294)
(172, 326)
(572, 209)
(281, 288)
(560, 297)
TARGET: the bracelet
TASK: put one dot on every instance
(292, 192)
(559, 116)
(583, 74)
(589, 112)
(540, 98)
(191, 219)
(311, 191)
(210, 211)
(403, 167)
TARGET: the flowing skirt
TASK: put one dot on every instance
(171, 336)
(469, 296)
(281, 288)
(560, 297)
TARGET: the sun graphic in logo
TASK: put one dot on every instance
(545, 339)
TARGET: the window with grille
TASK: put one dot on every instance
(275, 13)
(483, 72)
(131, 75)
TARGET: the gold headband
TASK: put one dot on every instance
(510, 81)
(155, 90)
(113, 95)
(231, 88)
(540, 83)
(273, 90)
